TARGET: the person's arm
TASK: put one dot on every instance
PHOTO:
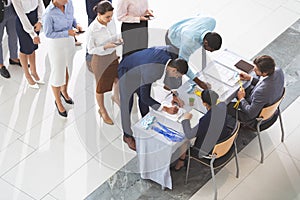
(200, 83)
(252, 109)
(23, 18)
(41, 9)
(188, 131)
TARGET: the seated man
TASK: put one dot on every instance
(137, 72)
(189, 35)
(215, 118)
(264, 91)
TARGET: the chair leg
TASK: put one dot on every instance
(213, 177)
(236, 161)
(188, 166)
(281, 126)
(260, 144)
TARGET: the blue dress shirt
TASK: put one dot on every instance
(56, 23)
(187, 35)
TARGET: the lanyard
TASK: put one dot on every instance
(169, 133)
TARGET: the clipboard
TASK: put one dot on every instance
(196, 116)
(244, 66)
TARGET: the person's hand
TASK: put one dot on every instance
(143, 18)
(36, 40)
(241, 93)
(78, 27)
(208, 85)
(244, 76)
(200, 83)
(149, 12)
(187, 115)
(109, 45)
(177, 101)
(37, 26)
(171, 110)
(72, 32)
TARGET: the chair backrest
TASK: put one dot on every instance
(224, 146)
(268, 112)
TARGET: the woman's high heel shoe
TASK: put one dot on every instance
(34, 86)
(63, 114)
(68, 101)
(105, 117)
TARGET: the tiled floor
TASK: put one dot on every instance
(43, 156)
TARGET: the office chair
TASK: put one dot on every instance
(221, 154)
(266, 114)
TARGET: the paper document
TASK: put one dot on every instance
(222, 73)
(173, 117)
(196, 116)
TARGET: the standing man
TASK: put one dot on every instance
(190, 34)
(137, 72)
(263, 91)
(8, 21)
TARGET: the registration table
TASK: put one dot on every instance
(155, 151)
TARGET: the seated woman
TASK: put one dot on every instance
(209, 99)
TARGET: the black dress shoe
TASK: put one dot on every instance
(63, 114)
(14, 62)
(68, 101)
(4, 72)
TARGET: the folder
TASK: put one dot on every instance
(244, 66)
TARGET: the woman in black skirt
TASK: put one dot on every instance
(28, 25)
(134, 15)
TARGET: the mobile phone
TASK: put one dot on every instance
(79, 32)
(118, 43)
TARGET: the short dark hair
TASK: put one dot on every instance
(265, 64)
(102, 7)
(210, 97)
(214, 40)
(180, 64)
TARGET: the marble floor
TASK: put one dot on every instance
(43, 156)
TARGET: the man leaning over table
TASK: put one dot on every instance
(137, 72)
(187, 36)
(264, 90)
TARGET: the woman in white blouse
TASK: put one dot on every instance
(102, 43)
(28, 25)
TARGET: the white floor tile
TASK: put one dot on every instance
(268, 31)
(226, 179)
(27, 109)
(293, 5)
(291, 144)
(48, 197)
(116, 155)
(7, 136)
(50, 165)
(83, 182)
(270, 139)
(8, 192)
(8, 89)
(278, 178)
(12, 155)
(94, 133)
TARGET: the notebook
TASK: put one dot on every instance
(244, 66)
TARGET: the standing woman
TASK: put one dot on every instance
(28, 26)
(134, 15)
(102, 41)
(58, 26)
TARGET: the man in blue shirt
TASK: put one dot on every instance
(137, 72)
(189, 35)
